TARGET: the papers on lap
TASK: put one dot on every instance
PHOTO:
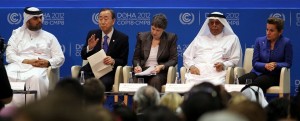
(98, 67)
(147, 72)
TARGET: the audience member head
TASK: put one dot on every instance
(171, 100)
(94, 91)
(236, 97)
(160, 113)
(100, 113)
(278, 109)
(123, 113)
(253, 111)
(145, 97)
(222, 116)
(202, 98)
(55, 107)
(69, 86)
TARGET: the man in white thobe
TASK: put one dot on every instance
(30, 52)
(215, 48)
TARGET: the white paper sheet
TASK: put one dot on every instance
(98, 67)
(147, 72)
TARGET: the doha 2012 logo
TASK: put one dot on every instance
(95, 18)
(14, 18)
(186, 18)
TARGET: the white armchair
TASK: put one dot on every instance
(284, 84)
(118, 75)
(170, 76)
(53, 76)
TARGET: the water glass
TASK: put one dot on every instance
(140, 80)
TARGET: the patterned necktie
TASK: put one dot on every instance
(105, 44)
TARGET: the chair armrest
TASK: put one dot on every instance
(239, 71)
(75, 71)
(126, 74)
(284, 83)
(183, 70)
(118, 79)
(53, 76)
(171, 75)
(84, 62)
(229, 78)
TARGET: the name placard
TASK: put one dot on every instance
(130, 87)
(17, 85)
(233, 87)
(179, 88)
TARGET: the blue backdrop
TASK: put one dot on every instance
(70, 26)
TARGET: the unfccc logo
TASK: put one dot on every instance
(186, 18)
(95, 18)
(278, 15)
(14, 18)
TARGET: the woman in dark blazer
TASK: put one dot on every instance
(271, 53)
(155, 48)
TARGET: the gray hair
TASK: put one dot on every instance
(145, 97)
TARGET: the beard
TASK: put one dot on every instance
(34, 27)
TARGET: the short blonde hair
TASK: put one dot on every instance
(171, 100)
(236, 97)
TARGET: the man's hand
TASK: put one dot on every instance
(194, 70)
(109, 60)
(271, 66)
(92, 41)
(219, 66)
(30, 61)
(43, 63)
(37, 62)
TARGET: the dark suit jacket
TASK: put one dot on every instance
(118, 48)
(167, 51)
(282, 55)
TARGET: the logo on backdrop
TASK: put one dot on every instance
(232, 18)
(297, 84)
(186, 18)
(78, 48)
(133, 18)
(278, 15)
(14, 18)
(95, 18)
(297, 19)
(181, 49)
(54, 19)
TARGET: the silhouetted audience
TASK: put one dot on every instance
(202, 98)
(123, 113)
(253, 111)
(278, 109)
(94, 92)
(144, 98)
(160, 113)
